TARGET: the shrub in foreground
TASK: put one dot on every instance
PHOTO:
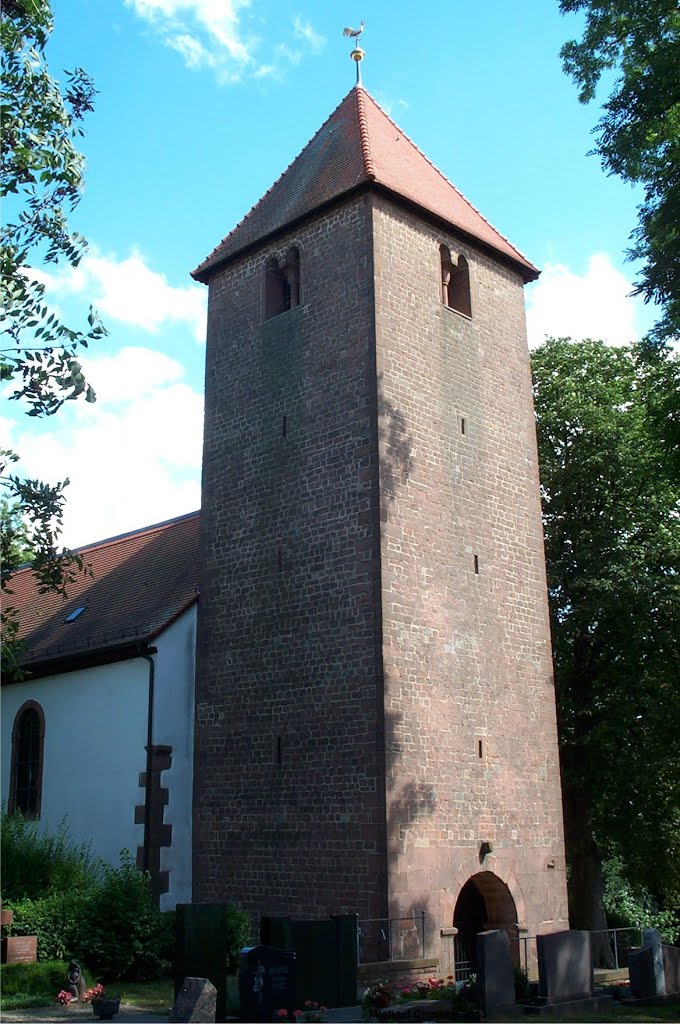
(121, 933)
(41, 979)
(35, 863)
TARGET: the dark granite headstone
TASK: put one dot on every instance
(266, 983)
(565, 968)
(643, 974)
(195, 1001)
(671, 966)
(495, 975)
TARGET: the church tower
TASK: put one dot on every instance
(375, 713)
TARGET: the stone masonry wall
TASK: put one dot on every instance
(289, 800)
(471, 746)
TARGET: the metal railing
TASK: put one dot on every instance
(620, 942)
(384, 938)
(520, 948)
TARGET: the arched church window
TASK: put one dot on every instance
(455, 281)
(282, 284)
(28, 737)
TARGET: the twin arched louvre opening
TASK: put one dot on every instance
(28, 740)
(484, 902)
(282, 284)
(455, 281)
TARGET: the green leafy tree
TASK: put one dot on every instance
(41, 180)
(638, 135)
(608, 424)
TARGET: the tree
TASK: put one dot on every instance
(41, 180)
(638, 135)
(608, 424)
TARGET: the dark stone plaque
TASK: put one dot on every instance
(266, 983)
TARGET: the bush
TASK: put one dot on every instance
(33, 979)
(238, 934)
(56, 920)
(82, 908)
(632, 906)
(121, 933)
(35, 863)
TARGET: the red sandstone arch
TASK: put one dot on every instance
(484, 902)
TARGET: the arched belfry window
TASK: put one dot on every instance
(28, 736)
(282, 284)
(455, 281)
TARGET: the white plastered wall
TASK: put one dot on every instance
(94, 750)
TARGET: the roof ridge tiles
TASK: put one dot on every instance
(441, 174)
(363, 132)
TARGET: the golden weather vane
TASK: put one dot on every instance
(357, 54)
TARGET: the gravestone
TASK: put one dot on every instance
(20, 949)
(195, 1001)
(495, 975)
(651, 939)
(565, 969)
(645, 981)
(326, 961)
(671, 969)
(266, 983)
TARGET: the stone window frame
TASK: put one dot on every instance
(455, 281)
(12, 805)
(282, 282)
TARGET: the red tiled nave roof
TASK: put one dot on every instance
(358, 145)
(140, 583)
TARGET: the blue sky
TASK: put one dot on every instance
(201, 105)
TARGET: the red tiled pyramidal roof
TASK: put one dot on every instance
(140, 583)
(359, 145)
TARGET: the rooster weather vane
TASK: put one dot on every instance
(357, 54)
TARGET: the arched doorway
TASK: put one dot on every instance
(484, 902)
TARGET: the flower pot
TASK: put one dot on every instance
(105, 1008)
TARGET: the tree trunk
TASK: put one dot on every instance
(586, 909)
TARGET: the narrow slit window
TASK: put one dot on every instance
(480, 749)
(477, 564)
(462, 424)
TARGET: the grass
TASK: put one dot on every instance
(667, 1012)
(151, 996)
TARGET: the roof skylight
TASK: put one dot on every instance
(74, 614)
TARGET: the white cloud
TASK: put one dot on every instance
(214, 34)
(596, 304)
(133, 458)
(304, 30)
(129, 291)
(207, 33)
